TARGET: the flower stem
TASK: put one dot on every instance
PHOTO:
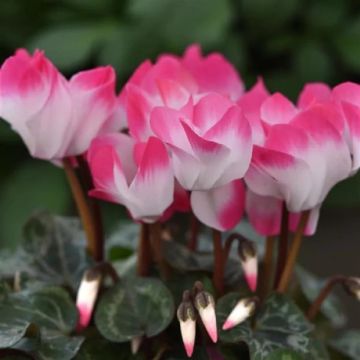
(157, 248)
(293, 253)
(282, 245)
(82, 206)
(194, 233)
(219, 266)
(268, 265)
(144, 251)
(86, 178)
(324, 293)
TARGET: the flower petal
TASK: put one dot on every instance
(153, 186)
(314, 93)
(220, 208)
(277, 109)
(213, 73)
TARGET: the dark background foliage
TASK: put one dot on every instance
(288, 42)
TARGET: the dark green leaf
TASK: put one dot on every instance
(141, 306)
(318, 351)
(56, 346)
(10, 334)
(348, 343)
(311, 287)
(50, 307)
(56, 248)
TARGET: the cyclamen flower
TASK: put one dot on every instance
(56, 118)
(137, 175)
(171, 82)
(304, 155)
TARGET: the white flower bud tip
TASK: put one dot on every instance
(204, 303)
(186, 317)
(86, 297)
(241, 312)
(250, 267)
(135, 344)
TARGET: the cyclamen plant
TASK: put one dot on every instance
(195, 159)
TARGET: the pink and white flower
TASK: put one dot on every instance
(172, 82)
(137, 175)
(304, 155)
(56, 118)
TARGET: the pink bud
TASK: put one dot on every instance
(186, 317)
(204, 303)
(86, 297)
(241, 312)
(249, 262)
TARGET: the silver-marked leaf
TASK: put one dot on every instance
(140, 306)
(10, 334)
(56, 249)
(311, 286)
(50, 307)
(348, 343)
(55, 346)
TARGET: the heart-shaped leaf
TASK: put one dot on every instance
(50, 307)
(284, 355)
(280, 324)
(56, 346)
(10, 334)
(55, 247)
(140, 306)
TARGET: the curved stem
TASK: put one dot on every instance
(293, 253)
(268, 265)
(219, 265)
(106, 268)
(144, 251)
(82, 206)
(282, 244)
(324, 293)
(157, 248)
(85, 176)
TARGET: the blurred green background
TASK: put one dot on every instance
(288, 42)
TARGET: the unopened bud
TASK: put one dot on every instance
(186, 317)
(205, 305)
(135, 344)
(241, 312)
(86, 296)
(352, 286)
(249, 262)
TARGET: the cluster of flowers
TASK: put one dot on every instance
(184, 134)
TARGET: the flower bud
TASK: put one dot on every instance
(352, 286)
(248, 257)
(135, 344)
(86, 296)
(204, 303)
(186, 317)
(241, 312)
